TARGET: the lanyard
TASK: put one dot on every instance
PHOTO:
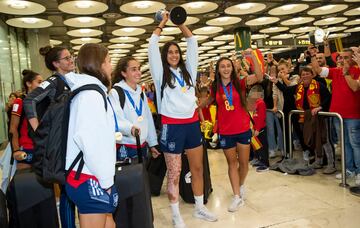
(229, 95)
(137, 110)
(116, 123)
(180, 80)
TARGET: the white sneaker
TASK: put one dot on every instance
(349, 174)
(306, 155)
(205, 214)
(178, 222)
(357, 179)
(272, 154)
(242, 192)
(235, 204)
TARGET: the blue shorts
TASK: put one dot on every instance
(29, 156)
(229, 141)
(175, 138)
(90, 198)
(129, 152)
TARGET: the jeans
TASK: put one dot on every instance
(67, 210)
(352, 143)
(272, 121)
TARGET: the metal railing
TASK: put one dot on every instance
(342, 146)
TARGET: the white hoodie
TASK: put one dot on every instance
(174, 103)
(127, 117)
(91, 130)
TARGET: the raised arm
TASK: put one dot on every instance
(257, 68)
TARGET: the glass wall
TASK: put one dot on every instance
(13, 59)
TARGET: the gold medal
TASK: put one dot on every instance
(118, 136)
(140, 118)
(232, 107)
(183, 89)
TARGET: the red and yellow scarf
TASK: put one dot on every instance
(313, 96)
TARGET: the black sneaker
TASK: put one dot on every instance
(262, 168)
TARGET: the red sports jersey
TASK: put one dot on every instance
(344, 101)
(232, 122)
(259, 116)
(24, 139)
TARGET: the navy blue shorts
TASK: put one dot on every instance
(229, 141)
(175, 138)
(129, 152)
(90, 198)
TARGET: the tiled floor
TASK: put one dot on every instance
(272, 200)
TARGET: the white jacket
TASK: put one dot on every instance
(127, 117)
(175, 103)
(91, 130)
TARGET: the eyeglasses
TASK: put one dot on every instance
(67, 58)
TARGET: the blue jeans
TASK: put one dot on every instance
(352, 143)
(272, 121)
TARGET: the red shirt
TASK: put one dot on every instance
(24, 139)
(232, 122)
(259, 116)
(169, 120)
(344, 101)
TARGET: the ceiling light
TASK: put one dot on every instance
(84, 30)
(83, 4)
(123, 38)
(223, 19)
(128, 29)
(245, 6)
(196, 5)
(288, 7)
(134, 19)
(297, 19)
(30, 20)
(304, 28)
(85, 39)
(262, 19)
(142, 4)
(325, 8)
(274, 28)
(18, 4)
(85, 19)
(330, 19)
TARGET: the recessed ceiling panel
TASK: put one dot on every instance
(16, 7)
(29, 22)
(199, 7)
(245, 8)
(84, 22)
(142, 7)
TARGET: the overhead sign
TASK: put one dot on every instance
(268, 43)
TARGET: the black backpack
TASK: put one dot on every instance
(50, 138)
(121, 94)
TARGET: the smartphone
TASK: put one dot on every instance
(312, 38)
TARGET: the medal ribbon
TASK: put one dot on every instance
(117, 129)
(229, 95)
(180, 80)
(137, 110)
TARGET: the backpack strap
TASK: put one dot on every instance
(121, 94)
(80, 156)
(90, 87)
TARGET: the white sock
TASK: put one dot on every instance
(175, 209)
(199, 201)
(236, 197)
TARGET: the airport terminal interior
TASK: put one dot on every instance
(286, 30)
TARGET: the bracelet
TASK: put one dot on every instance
(159, 28)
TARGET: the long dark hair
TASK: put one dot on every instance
(121, 67)
(51, 54)
(90, 58)
(167, 78)
(28, 76)
(234, 79)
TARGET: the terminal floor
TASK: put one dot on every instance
(272, 200)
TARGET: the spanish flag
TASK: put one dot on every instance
(255, 143)
(260, 58)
